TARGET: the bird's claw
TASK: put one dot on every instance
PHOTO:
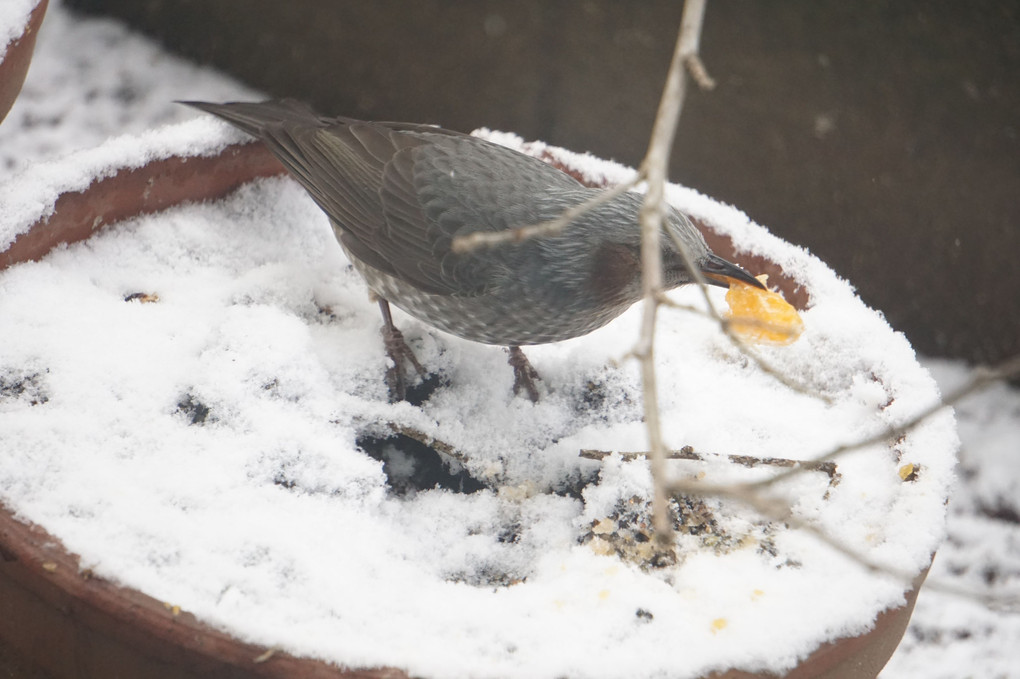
(525, 374)
(399, 352)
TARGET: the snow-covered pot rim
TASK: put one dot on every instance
(15, 58)
(100, 626)
(96, 627)
(72, 624)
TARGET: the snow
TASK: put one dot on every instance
(267, 518)
(207, 448)
(952, 636)
(91, 79)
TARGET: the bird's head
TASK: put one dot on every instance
(714, 269)
(607, 241)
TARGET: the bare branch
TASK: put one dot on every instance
(726, 326)
(688, 453)
(487, 239)
(983, 376)
(654, 169)
(429, 441)
(698, 72)
(727, 329)
(690, 36)
(777, 509)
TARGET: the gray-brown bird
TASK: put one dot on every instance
(397, 194)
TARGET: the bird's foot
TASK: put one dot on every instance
(525, 374)
(399, 353)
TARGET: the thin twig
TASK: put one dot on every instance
(487, 239)
(983, 376)
(690, 35)
(727, 328)
(428, 441)
(826, 467)
(725, 325)
(777, 509)
(747, 492)
(698, 72)
(654, 168)
(746, 321)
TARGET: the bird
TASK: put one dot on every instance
(398, 194)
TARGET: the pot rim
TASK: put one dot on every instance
(17, 57)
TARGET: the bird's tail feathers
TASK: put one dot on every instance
(254, 117)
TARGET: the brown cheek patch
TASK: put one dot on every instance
(615, 268)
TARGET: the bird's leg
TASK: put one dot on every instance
(398, 352)
(524, 374)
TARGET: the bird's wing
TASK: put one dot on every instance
(451, 186)
(400, 192)
(345, 168)
(342, 163)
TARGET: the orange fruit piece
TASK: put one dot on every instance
(761, 316)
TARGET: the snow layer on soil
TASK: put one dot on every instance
(209, 449)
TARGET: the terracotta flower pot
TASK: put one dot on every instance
(75, 625)
(16, 59)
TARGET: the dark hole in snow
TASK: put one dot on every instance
(643, 615)
(422, 390)
(284, 481)
(511, 535)
(193, 409)
(23, 386)
(411, 466)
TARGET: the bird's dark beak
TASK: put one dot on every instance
(720, 272)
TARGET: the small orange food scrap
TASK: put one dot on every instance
(719, 624)
(908, 472)
(762, 316)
